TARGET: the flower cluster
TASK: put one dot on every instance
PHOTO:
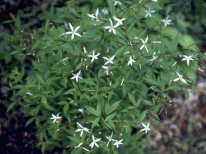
(136, 51)
(94, 140)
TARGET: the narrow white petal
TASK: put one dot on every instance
(71, 27)
(183, 80)
(114, 31)
(76, 29)
(92, 16)
(176, 79)
(97, 12)
(78, 34)
(66, 33)
(111, 22)
(72, 36)
(142, 47)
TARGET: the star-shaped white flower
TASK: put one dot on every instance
(166, 21)
(110, 139)
(117, 2)
(105, 11)
(180, 78)
(155, 0)
(94, 56)
(94, 142)
(107, 69)
(153, 57)
(55, 117)
(130, 61)
(73, 32)
(148, 12)
(94, 16)
(76, 76)
(146, 128)
(118, 142)
(109, 60)
(112, 28)
(82, 129)
(119, 21)
(187, 58)
(143, 44)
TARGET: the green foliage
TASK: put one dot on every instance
(118, 100)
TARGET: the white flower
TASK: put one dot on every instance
(82, 129)
(148, 13)
(105, 11)
(187, 58)
(84, 48)
(155, 0)
(94, 142)
(112, 28)
(153, 58)
(109, 60)
(119, 21)
(117, 2)
(143, 44)
(81, 110)
(118, 142)
(55, 117)
(94, 16)
(94, 56)
(146, 128)
(110, 139)
(107, 69)
(180, 78)
(73, 32)
(130, 61)
(76, 76)
(166, 21)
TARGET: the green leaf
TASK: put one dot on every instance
(138, 102)
(99, 109)
(43, 98)
(11, 106)
(142, 116)
(128, 128)
(48, 107)
(110, 117)
(47, 24)
(43, 147)
(70, 91)
(132, 99)
(66, 108)
(73, 139)
(91, 110)
(111, 124)
(95, 123)
(114, 106)
(148, 102)
(121, 51)
(111, 7)
(29, 121)
(40, 79)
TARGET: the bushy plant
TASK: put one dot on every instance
(101, 73)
